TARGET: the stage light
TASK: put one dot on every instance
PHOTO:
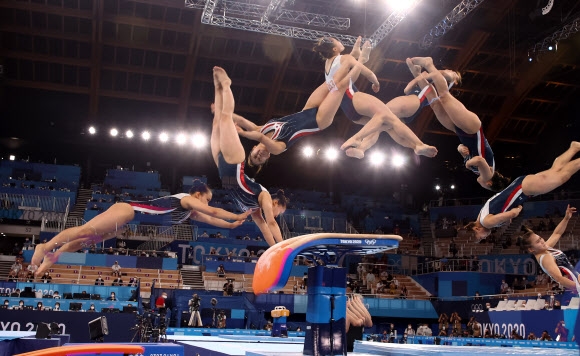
(400, 5)
(114, 132)
(146, 135)
(308, 151)
(377, 158)
(437, 187)
(12, 158)
(331, 154)
(92, 130)
(452, 186)
(163, 137)
(199, 140)
(180, 139)
(398, 160)
(129, 134)
(530, 59)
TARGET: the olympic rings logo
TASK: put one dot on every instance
(370, 242)
(477, 308)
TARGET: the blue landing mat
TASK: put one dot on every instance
(237, 348)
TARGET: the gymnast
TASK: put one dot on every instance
(507, 204)
(452, 114)
(277, 135)
(109, 223)
(553, 261)
(357, 318)
(229, 156)
(359, 106)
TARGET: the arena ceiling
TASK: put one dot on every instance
(71, 63)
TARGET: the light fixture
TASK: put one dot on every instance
(199, 140)
(437, 187)
(308, 151)
(180, 139)
(331, 154)
(377, 158)
(12, 158)
(129, 134)
(92, 130)
(114, 132)
(452, 186)
(146, 135)
(398, 160)
(163, 137)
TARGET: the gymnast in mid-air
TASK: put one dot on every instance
(109, 223)
(277, 135)
(229, 157)
(507, 204)
(359, 106)
(553, 261)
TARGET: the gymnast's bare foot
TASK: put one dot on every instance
(425, 62)
(415, 69)
(426, 150)
(366, 51)
(221, 76)
(355, 152)
(356, 48)
(351, 142)
(38, 255)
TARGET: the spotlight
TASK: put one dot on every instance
(129, 134)
(146, 135)
(437, 187)
(550, 48)
(308, 151)
(199, 140)
(530, 59)
(401, 5)
(452, 186)
(180, 139)
(12, 158)
(377, 158)
(163, 137)
(92, 130)
(398, 160)
(114, 132)
(331, 154)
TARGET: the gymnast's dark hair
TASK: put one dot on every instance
(198, 186)
(499, 182)
(526, 238)
(281, 198)
(324, 47)
(256, 167)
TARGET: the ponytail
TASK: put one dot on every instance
(324, 47)
(281, 198)
(198, 186)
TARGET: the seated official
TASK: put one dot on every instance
(46, 278)
(117, 282)
(99, 281)
(113, 297)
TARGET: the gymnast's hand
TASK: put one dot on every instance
(243, 216)
(236, 223)
(212, 108)
(569, 211)
(517, 210)
(463, 150)
(251, 135)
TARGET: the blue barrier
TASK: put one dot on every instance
(122, 293)
(472, 341)
(103, 260)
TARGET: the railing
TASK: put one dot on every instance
(447, 265)
(35, 202)
(311, 224)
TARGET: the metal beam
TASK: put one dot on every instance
(192, 55)
(49, 9)
(458, 13)
(96, 58)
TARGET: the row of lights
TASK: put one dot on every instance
(376, 158)
(198, 140)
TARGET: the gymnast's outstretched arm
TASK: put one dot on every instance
(561, 228)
